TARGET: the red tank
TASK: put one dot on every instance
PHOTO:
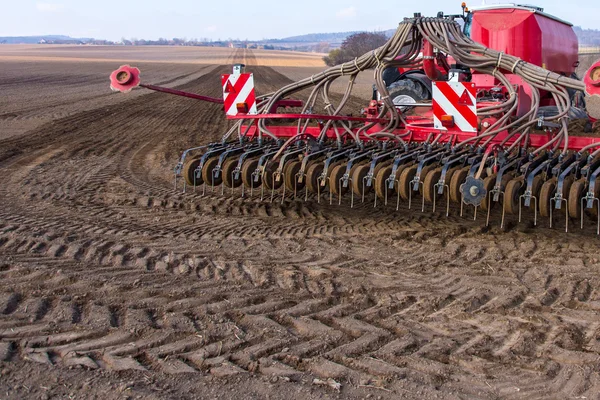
(529, 33)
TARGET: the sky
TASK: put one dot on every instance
(233, 19)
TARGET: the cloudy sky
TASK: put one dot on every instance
(251, 19)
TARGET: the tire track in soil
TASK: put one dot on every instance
(104, 265)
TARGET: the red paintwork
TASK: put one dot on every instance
(125, 78)
(592, 80)
(429, 65)
(183, 94)
(418, 129)
(534, 37)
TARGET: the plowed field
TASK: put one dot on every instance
(115, 285)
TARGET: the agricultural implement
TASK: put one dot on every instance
(482, 109)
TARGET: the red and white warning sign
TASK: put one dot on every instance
(457, 100)
(238, 93)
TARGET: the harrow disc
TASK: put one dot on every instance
(538, 182)
(313, 172)
(289, 176)
(546, 193)
(381, 178)
(207, 172)
(335, 186)
(575, 195)
(189, 167)
(488, 185)
(458, 178)
(512, 195)
(269, 175)
(594, 210)
(228, 167)
(358, 179)
(248, 168)
(429, 189)
(424, 172)
(404, 186)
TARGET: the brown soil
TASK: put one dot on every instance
(115, 285)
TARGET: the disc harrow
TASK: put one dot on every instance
(515, 157)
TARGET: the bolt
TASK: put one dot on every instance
(474, 191)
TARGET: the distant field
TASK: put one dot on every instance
(162, 54)
(40, 83)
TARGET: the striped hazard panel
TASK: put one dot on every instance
(238, 94)
(458, 99)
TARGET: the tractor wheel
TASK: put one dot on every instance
(458, 178)
(228, 167)
(289, 176)
(248, 168)
(546, 193)
(407, 91)
(188, 171)
(381, 181)
(512, 195)
(404, 183)
(575, 195)
(334, 179)
(358, 178)
(488, 184)
(429, 188)
(207, 172)
(313, 172)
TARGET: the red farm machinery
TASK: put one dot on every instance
(482, 109)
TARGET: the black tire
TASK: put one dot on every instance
(404, 90)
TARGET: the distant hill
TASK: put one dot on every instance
(587, 37)
(45, 38)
